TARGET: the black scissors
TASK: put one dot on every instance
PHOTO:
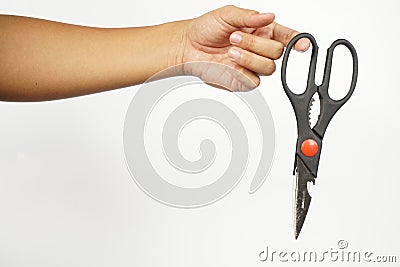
(309, 141)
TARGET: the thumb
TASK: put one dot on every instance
(244, 18)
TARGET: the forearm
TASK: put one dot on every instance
(45, 60)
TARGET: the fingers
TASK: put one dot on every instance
(258, 45)
(255, 53)
(284, 35)
(260, 40)
(244, 18)
(251, 61)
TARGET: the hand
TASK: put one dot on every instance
(238, 39)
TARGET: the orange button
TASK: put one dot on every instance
(309, 147)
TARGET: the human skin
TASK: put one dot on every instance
(45, 60)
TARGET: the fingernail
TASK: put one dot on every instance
(235, 38)
(234, 53)
(265, 14)
(302, 45)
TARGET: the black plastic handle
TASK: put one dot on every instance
(301, 101)
(328, 66)
(311, 72)
(330, 106)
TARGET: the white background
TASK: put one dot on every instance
(67, 199)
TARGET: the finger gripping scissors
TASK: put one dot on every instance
(309, 140)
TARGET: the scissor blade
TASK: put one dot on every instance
(302, 197)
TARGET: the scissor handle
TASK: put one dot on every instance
(301, 101)
(330, 106)
(311, 86)
(327, 72)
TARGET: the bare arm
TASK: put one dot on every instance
(45, 60)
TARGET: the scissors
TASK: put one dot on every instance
(309, 140)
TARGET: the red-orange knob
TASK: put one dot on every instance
(309, 147)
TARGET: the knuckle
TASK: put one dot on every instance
(245, 59)
(249, 41)
(277, 51)
(288, 36)
(228, 7)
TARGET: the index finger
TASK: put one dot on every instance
(284, 35)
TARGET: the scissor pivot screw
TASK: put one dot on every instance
(309, 147)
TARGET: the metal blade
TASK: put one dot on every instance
(302, 197)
